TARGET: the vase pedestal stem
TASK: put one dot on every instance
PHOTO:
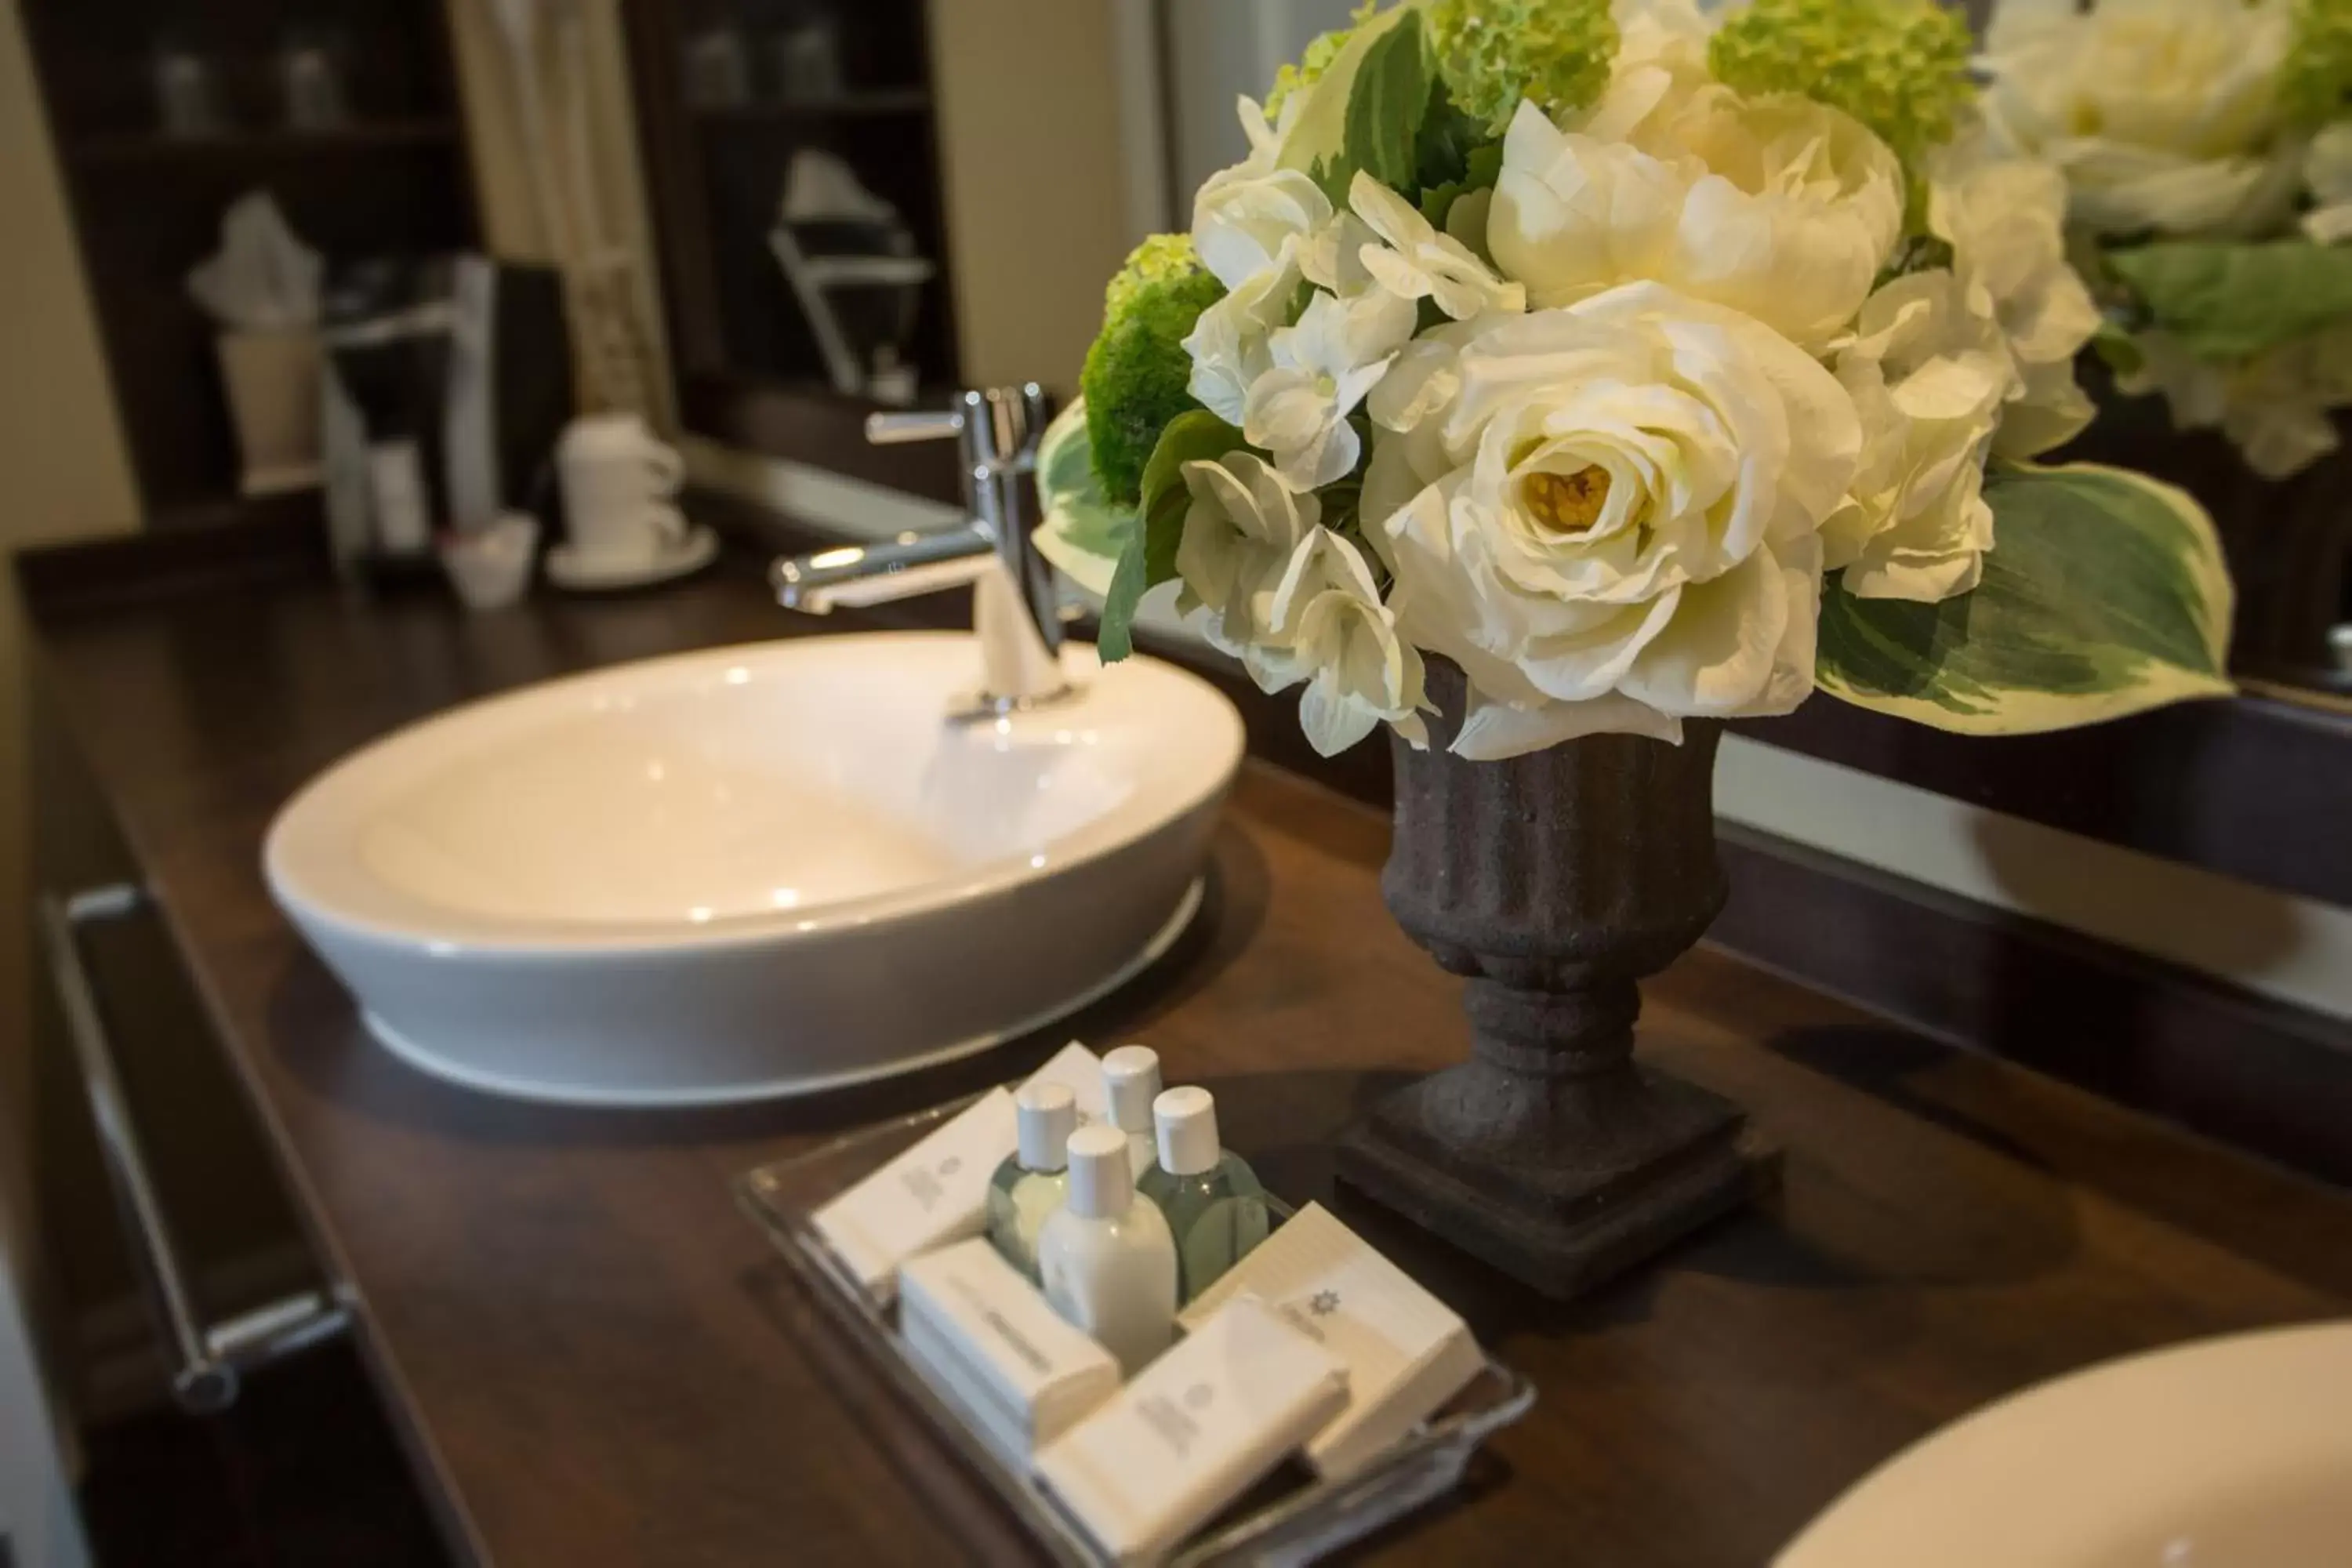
(1549, 1154)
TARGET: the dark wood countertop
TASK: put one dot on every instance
(596, 1360)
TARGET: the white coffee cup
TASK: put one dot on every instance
(617, 484)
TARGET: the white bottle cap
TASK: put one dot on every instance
(1047, 1114)
(1131, 1074)
(1187, 1118)
(1102, 1183)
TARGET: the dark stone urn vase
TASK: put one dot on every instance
(1555, 882)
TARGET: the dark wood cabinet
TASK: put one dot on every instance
(391, 178)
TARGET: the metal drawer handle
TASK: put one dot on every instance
(208, 1362)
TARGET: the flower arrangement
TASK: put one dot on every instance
(1647, 367)
(2207, 148)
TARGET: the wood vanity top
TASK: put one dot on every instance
(596, 1360)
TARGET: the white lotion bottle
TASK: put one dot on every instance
(1031, 1183)
(1107, 1257)
(1131, 1083)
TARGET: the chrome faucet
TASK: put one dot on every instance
(1016, 608)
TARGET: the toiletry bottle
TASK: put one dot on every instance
(1031, 1183)
(1108, 1261)
(1131, 1083)
(1213, 1203)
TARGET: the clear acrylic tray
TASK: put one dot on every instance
(1293, 1518)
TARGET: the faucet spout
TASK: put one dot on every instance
(858, 574)
(1017, 610)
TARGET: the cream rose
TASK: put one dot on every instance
(1927, 376)
(2327, 171)
(2277, 408)
(1780, 208)
(2161, 114)
(2005, 220)
(1617, 527)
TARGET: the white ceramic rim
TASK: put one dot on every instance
(1959, 1470)
(317, 822)
(537, 1091)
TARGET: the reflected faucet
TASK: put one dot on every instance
(1016, 609)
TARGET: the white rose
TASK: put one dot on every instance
(2276, 408)
(1661, 64)
(2327, 171)
(1927, 376)
(1627, 533)
(2162, 114)
(1780, 207)
(1253, 217)
(1242, 529)
(1321, 368)
(1328, 629)
(2005, 220)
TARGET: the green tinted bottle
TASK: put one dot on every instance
(1213, 1202)
(1035, 1179)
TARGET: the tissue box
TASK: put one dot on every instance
(272, 381)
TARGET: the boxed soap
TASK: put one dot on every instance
(984, 1336)
(1193, 1431)
(1406, 1353)
(937, 1192)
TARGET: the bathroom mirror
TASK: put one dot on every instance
(867, 204)
(862, 204)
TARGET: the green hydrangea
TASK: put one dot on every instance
(1158, 260)
(2316, 86)
(1137, 374)
(1311, 65)
(1492, 53)
(1900, 67)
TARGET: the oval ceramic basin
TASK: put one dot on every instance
(2231, 1453)
(756, 871)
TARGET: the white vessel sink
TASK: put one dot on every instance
(756, 871)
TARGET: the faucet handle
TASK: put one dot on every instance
(925, 424)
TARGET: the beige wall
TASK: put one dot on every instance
(67, 473)
(1036, 187)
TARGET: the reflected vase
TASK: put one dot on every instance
(1555, 883)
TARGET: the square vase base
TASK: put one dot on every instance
(1564, 1230)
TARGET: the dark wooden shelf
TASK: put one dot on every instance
(866, 103)
(808, 422)
(151, 149)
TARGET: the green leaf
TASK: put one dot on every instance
(1447, 137)
(1148, 556)
(1083, 533)
(1122, 595)
(1317, 142)
(1197, 437)
(2116, 349)
(2104, 595)
(2228, 301)
(1386, 103)
(1481, 170)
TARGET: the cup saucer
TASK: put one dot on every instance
(568, 568)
